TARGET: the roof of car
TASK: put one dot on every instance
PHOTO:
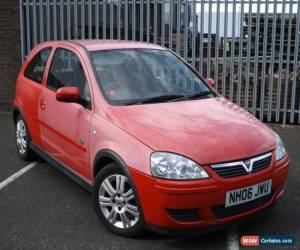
(93, 45)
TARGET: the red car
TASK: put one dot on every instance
(134, 123)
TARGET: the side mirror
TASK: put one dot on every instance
(210, 81)
(68, 94)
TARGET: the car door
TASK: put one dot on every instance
(29, 87)
(66, 126)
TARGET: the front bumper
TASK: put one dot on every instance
(205, 197)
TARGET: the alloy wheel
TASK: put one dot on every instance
(117, 202)
(21, 136)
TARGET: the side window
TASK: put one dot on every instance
(66, 71)
(36, 67)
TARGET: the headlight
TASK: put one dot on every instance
(173, 166)
(280, 149)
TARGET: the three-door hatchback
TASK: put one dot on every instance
(134, 123)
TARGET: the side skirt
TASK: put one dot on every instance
(63, 169)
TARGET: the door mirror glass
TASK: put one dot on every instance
(68, 94)
(210, 81)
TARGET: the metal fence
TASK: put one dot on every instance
(250, 47)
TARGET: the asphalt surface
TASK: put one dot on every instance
(43, 209)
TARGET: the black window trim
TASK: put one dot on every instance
(40, 83)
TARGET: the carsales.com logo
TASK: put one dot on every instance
(255, 240)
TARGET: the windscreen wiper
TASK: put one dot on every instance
(195, 96)
(154, 99)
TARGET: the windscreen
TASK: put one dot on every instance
(139, 75)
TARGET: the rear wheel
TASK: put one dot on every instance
(23, 140)
(115, 202)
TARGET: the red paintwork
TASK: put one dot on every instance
(210, 81)
(207, 131)
(68, 94)
(93, 45)
(156, 195)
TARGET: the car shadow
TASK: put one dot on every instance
(212, 240)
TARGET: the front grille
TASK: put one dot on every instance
(226, 172)
(184, 214)
(243, 167)
(221, 212)
(261, 164)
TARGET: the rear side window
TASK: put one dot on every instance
(36, 67)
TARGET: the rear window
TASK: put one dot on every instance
(36, 67)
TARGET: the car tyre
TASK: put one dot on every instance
(23, 139)
(115, 202)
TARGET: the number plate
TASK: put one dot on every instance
(246, 194)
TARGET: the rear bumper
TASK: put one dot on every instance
(205, 197)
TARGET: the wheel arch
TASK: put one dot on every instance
(16, 112)
(107, 156)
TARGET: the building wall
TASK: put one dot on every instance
(9, 51)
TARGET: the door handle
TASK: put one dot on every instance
(42, 104)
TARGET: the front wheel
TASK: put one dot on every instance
(115, 202)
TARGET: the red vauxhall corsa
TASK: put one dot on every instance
(134, 123)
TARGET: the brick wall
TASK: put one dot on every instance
(9, 51)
